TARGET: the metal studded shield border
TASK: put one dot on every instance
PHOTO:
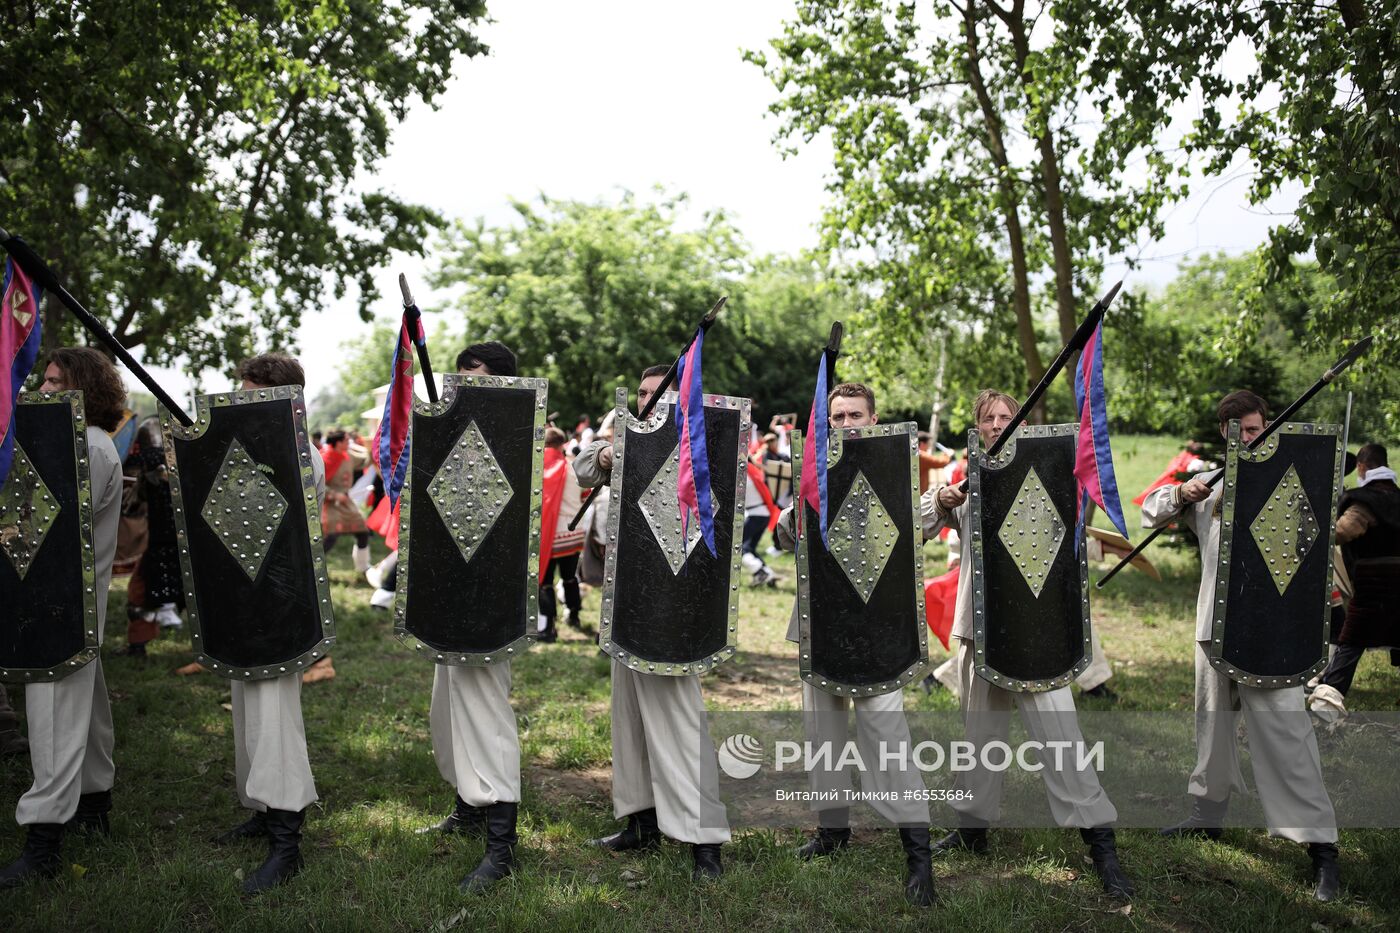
(835, 450)
(623, 421)
(73, 400)
(1235, 453)
(979, 462)
(450, 384)
(204, 404)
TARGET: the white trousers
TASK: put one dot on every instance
(880, 724)
(475, 742)
(1076, 797)
(663, 755)
(269, 744)
(1282, 748)
(70, 744)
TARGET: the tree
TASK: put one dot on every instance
(1316, 105)
(1187, 338)
(941, 210)
(190, 171)
(590, 294)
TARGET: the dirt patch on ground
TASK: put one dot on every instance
(754, 681)
(593, 785)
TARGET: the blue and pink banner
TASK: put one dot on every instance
(1093, 457)
(693, 481)
(814, 447)
(392, 442)
(20, 332)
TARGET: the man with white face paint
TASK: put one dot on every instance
(1076, 797)
(660, 737)
(1283, 748)
(880, 720)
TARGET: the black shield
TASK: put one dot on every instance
(860, 594)
(48, 627)
(249, 527)
(1030, 581)
(1274, 575)
(669, 605)
(469, 524)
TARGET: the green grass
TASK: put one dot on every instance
(370, 753)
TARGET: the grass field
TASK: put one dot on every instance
(368, 737)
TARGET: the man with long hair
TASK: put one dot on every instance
(70, 720)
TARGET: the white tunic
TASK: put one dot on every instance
(1164, 505)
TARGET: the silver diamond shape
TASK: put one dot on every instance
(1032, 532)
(27, 512)
(1285, 529)
(658, 504)
(244, 508)
(862, 537)
(470, 491)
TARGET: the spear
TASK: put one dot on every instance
(1076, 343)
(32, 263)
(1336, 370)
(833, 350)
(415, 333)
(705, 323)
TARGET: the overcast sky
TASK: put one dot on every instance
(582, 101)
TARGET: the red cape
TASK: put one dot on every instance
(756, 474)
(1168, 478)
(384, 522)
(551, 499)
(940, 598)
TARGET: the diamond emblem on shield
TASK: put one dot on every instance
(660, 507)
(1285, 529)
(27, 512)
(470, 491)
(862, 537)
(244, 509)
(1032, 532)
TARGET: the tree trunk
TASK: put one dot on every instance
(1010, 206)
(1068, 313)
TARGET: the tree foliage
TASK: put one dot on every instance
(1171, 356)
(1318, 103)
(190, 169)
(590, 294)
(963, 177)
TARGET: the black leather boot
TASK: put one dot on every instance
(465, 820)
(93, 816)
(1325, 872)
(918, 860)
(970, 840)
(1104, 852)
(1205, 822)
(283, 851)
(824, 843)
(41, 857)
(254, 827)
(499, 859)
(708, 866)
(641, 833)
